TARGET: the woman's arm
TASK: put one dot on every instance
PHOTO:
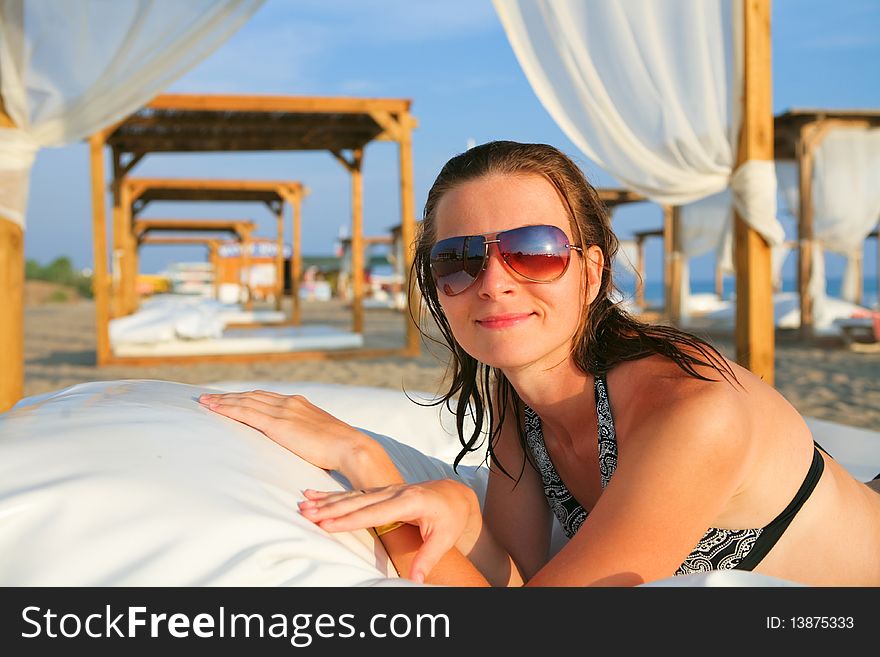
(327, 442)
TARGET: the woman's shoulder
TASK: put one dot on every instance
(658, 396)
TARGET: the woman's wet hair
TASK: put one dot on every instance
(607, 335)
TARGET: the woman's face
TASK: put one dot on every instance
(502, 319)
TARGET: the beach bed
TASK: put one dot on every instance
(249, 341)
(133, 483)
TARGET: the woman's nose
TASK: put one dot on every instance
(496, 277)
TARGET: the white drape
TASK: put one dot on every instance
(650, 90)
(68, 69)
(846, 199)
(707, 225)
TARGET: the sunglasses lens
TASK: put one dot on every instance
(456, 262)
(539, 253)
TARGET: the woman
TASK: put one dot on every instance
(657, 455)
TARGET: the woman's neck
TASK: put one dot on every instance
(555, 393)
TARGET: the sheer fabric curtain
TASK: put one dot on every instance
(650, 90)
(846, 200)
(68, 69)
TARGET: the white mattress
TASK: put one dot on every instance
(250, 341)
(133, 483)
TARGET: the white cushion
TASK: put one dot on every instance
(133, 483)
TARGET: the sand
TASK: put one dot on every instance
(822, 379)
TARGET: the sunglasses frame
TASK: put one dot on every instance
(487, 242)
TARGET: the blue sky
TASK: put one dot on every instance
(453, 60)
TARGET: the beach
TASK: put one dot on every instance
(822, 379)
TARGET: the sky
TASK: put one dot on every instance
(453, 60)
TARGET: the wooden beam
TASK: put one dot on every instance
(640, 273)
(407, 238)
(244, 232)
(755, 326)
(349, 163)
(279, 257)
(357, 242)
(11, 302)
(805, 231)
(676, 268)
(295, 104)
(296, 262)
(12, 317)
(391, 130)
(117, 297)
(141, 226)
(169, 241)
(131, 261)
(667, 257)
(100, 281)
(271, 357)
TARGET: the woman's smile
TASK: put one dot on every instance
(503, 320)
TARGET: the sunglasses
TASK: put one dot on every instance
(537, 253)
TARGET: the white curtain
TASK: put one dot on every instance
(707, 225)
(846, 199)
(650, 90)
(68, 69)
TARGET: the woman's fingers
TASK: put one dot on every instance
(429, 555)
(266, 396)
(355, 510)
(252, 412)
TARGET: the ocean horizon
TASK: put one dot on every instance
(654, 288)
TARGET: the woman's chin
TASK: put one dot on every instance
(504, 357)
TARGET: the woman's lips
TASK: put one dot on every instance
(503, 321)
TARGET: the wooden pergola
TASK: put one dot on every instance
(798, 133)
(144, 231)
(225, 123)
(138, 193)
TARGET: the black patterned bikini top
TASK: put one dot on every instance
(718, 549)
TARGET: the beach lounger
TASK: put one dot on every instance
(133, 483)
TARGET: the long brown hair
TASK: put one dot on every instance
(607, 334)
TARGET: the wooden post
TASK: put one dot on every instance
(408, 234)
(279, 254)
(100, 281)
(755, 326)
(245, 265)
(11, 302)
(719, 281)
(357, 241)
(672, 234)
(117, 296)
(130, 260)
(805, 232)
(640, 272)
(296, 261)
(12, 317)
(667, 257)
(214, 259)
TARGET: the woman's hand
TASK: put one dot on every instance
(446, 512)
(294, 423)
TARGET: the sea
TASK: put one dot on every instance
(654, 288)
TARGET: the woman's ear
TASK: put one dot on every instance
(594, 262)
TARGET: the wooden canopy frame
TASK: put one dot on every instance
(138, 193)
(143, 229)
(798, 133)
(225, 123)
